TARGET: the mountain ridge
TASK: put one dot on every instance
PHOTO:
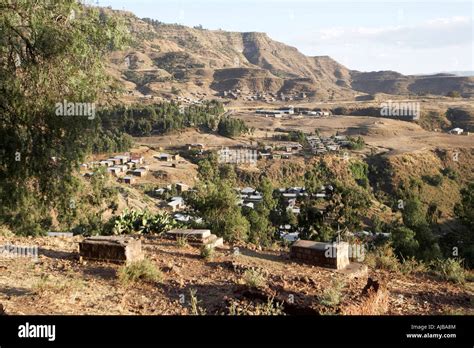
(195, 60)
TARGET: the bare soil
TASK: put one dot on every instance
(58, 283)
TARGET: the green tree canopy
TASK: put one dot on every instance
(50, 52)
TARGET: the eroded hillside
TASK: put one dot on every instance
(170, 60)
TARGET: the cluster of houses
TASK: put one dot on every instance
(127, 166)
(166, 157)
(290, 110)
(189, 101)
(248, 197)
(280, 151)
(120, 165)
(263, 96)
(175, 203)
(321, 145)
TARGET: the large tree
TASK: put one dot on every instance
(50, 52)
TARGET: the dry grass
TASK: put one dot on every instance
(207, 253)
(139, 271)
(182, 242)
(47, 284)
(412, 266)
(254, 278)
(271, 307)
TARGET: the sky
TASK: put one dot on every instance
(411, 37)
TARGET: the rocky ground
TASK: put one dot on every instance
(59, 283)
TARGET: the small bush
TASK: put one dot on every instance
(450, 173)
(207, 253)
(449, 269)
(182, 242)
(433, 180)
(383, 258)
(454, 94)
(332, 296)
(5, 231)
(195, 308)
(254, 278)
(412, 266)
(139, 271)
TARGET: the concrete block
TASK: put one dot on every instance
(190, 234)
(332, 255)
(111, 248)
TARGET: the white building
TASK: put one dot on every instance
(457, 131)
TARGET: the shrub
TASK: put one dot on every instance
(433, 180)
(450, 173)
(403, 241)
(195, 308)
(139, 271)
(454, 94)
(411, 266)
(254, 278)
(332, 296)
(182, 241)
(449, 269)
(5, 231)
(383, 257)
(359, 171)
(207, 253)
(356, 143)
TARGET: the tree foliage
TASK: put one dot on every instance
(139, 120)
(231, 127)
(50, 51)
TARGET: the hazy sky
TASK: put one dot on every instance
(406, 36)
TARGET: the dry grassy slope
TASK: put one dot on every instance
(415, 165)
(179, 50)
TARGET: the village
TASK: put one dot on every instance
(150, 167)
(269, 97)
